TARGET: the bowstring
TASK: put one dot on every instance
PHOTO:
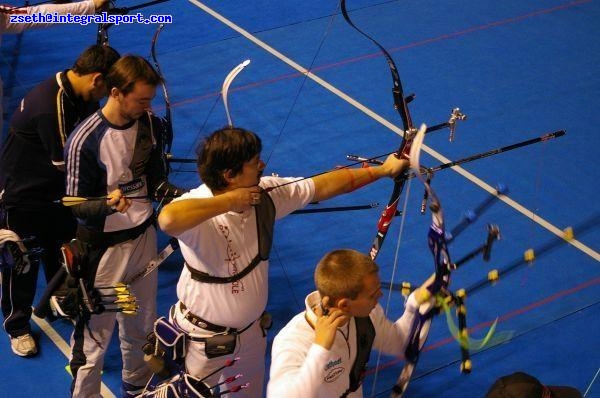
(279, 136)
(167, 97)
(198, 138)
(393, 275)
(302, 84)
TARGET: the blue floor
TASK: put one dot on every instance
(518, 69)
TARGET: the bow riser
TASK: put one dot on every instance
(442, 264)
(439, 289)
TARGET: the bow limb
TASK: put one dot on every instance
(127, 10)
(102, 34)
(225, 89)
(167, 133)
(401, 105)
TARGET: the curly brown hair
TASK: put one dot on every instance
(226, 149)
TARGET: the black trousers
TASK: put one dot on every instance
(49, 227)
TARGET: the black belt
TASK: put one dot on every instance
(206, 325)
(108, 239)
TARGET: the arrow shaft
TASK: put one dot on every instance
(471, 158)
(339, 208)
(497, 151)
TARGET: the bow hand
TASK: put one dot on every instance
(395, 166)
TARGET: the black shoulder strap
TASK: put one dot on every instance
(143, 146)
(365, 334)
(265, 222)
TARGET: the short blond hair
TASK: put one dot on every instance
(341, 273)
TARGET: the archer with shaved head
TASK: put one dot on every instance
(323, 351)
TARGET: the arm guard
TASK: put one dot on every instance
(165, 192)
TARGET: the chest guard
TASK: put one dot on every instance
(144, 145)
(265, 222)
(365, 334)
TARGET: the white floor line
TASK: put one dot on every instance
(591, 383)
(64, 347)
(469, 176)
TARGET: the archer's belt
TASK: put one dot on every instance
(206, 325)
(106, 239)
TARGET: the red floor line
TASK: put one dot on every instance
(378, 54)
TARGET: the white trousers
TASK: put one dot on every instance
(250, 348)
(119, 263)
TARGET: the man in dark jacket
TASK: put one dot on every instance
(32, 179)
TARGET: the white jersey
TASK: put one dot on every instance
(6, 26)
(99, 160)
(223, 246)
(302, 369)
